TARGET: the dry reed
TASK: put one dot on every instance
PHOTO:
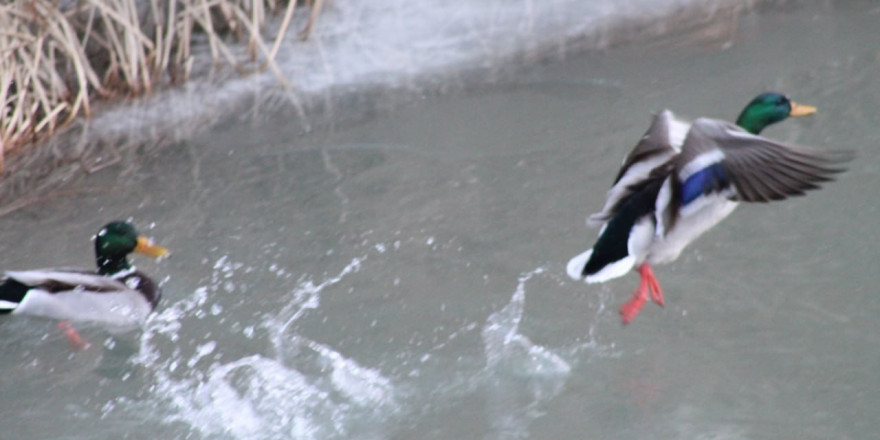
(56, 57)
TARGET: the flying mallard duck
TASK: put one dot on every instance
(117, 294)
(682, 179)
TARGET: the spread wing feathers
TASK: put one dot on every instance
(62, 280)
(658, 145)
(663, 138)
(760, 170)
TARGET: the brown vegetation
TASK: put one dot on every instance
(56, 57)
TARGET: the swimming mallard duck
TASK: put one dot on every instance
(682, 179)
(117, 294)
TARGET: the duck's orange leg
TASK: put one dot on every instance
(76, 341)
(653, 286)
(648, 284)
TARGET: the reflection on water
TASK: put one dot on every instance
(403, 276)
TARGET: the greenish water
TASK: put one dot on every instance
(401, 275)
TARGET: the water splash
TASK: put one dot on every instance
(521, 374)
(302, 390)
(297, 387)
(305, 297)
(508, 350)
(256, 397)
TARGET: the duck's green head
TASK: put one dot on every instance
(115, 241)
(770, 108)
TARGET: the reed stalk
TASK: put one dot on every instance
(58, 56)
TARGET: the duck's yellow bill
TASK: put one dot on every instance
(145, 246)
(801, 110)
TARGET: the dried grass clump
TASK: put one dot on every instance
(57, 56)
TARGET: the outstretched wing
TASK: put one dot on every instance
(718, 156)
(658, 145)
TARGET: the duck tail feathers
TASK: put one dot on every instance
(616, 269)
(12, 293)
(575, 266)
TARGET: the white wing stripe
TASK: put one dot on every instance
(700, 162)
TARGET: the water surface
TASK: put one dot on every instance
(401, 275)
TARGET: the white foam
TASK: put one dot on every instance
(316, 393)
